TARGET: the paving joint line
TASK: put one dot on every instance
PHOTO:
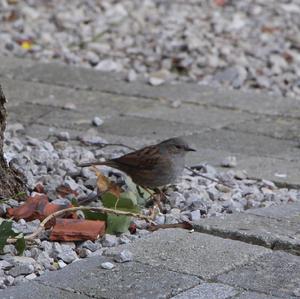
(252, 239)
(189, 102)
(69, 290)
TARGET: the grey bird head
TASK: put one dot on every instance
(176, 146)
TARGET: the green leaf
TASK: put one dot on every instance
(6, 231)
(117, 224)
(91, 215)
(127, 202)
(20, 244)
(74, 202)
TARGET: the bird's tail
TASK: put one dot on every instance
(87, 164)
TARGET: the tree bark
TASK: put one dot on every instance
(10, 179)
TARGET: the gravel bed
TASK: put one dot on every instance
(51, 163)
(249, 44)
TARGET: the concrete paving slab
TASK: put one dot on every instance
(34, 290)
(284, 170)
(208, 291)
(192, 253)
(27, 113)
(255, 295)
(127, 280)
(45, 132)
(86, 102)
(85, 89)
(206, 117)
(276, 127)
(9, 64)
(277, 274)
(122, 125)
(290, 211)
(246, 144)
(265, 231)
(59, 74)
(261, 156)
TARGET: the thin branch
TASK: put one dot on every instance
(206, 177)
(102, 144)
(81, 208)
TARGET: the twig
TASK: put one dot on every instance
(73, 209)
(184, 225)
(107, 144)
(206, 177)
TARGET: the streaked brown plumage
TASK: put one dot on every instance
(152, 166)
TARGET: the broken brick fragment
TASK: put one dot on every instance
(77, 230)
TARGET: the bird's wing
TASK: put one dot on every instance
(145, 158)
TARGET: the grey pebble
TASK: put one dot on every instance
(64, 136)
(67, 255)
(109, 240)
(123, 256)
(22, 269)
(91, 245)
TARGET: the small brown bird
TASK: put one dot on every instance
(152, 166)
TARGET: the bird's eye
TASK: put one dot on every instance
(178, 146)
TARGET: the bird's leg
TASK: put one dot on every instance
(155, 197)
(163, 196)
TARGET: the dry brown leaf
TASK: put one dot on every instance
(105, 185)
(63, 191)
(36, 207)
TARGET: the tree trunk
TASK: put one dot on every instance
(10, 179)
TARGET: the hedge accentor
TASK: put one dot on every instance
(152, 166)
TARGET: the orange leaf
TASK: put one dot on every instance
(105, 185)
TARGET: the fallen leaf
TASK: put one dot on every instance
(29, 210)
(269, 29)
(5, 232)
(77, 230)
(105, 185)
(13, 16)
(36, 207)
(92, 215)
(117, 224)
(26, 44)
(20, 244)
(63, 191)
(221, 2)
(126, 202)
(39, 188)
(288, 57)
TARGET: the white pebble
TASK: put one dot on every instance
(97, 121)
(107, 265)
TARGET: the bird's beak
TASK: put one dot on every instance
(189, 149)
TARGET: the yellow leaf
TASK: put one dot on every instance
(26, 44)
